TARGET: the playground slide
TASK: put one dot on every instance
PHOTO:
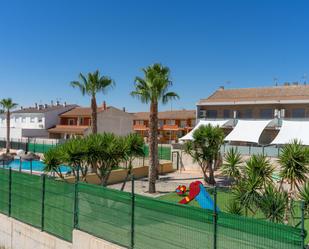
(199, 193)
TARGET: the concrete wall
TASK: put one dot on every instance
(115, 121)
(17, 235)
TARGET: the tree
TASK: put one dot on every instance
(231, 166)
(134, 147)
(273, 204)
(8, 105)
(259, 166)
(204, 149)
(52, 161)
(152, 89)
(90, 85)
(294, 164)
(304, 196)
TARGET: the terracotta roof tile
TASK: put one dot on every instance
(276, 93)
(80, 111)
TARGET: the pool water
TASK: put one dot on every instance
(36, 166)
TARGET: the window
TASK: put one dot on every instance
(170, 122)
(71, 122)
(246, 113)
(211, 114)
(266, 113)
(226, 113)
(40, 120)
(32, 120)
(139, 122)
(183, 123)
(160, 123)
(298, 113)
(23, 120)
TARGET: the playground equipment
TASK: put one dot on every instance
(181, 190)
(199, 193)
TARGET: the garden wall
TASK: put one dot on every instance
(119, 175)
(17, 235)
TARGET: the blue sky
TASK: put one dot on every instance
(240, 43)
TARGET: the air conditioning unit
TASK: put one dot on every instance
(202, 114)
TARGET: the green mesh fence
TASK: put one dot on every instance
(149, 223)
(40, 148)
(4, 191)
(26, 198)
(164, 152)
(105, 213)
(59, 208)
(166, 225)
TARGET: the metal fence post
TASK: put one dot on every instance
(263, 150)
(132, 211)
(302, 224)
(76, 204)
(10, 192)
(43, 202)
(215, 219)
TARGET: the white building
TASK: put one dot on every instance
(33, 122)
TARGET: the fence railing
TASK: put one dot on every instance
(131, 220)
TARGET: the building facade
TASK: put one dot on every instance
(171, 124)
(33, 122)
(77, 122)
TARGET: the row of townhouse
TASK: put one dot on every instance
(62, 121)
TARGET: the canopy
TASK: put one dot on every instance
(219, 123)
(293, 130)
(247, 131)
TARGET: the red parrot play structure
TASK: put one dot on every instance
(181, 190)
(198, 192)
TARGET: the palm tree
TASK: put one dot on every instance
(304, 196)
(152, 89)
(8, 105)
(90, 85)
(134, 147)
(273, 204)
(204, 149)
(232, 164)
(294, 164)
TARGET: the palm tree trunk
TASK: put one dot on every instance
(153, 146)
(211, 178)
(94, 115)
(8, 124)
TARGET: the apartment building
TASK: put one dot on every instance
(171, 124)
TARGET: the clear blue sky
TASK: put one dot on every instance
(45, 44)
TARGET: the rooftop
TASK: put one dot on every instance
(286, 93)
(42, 108)
(177, 114)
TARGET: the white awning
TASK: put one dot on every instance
(247, 131)
(293, 130)
(219, 123)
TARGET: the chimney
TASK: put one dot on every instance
(45, 106)
(221, 88)
(21, 108)
(65, 104)
(52, 103)
(123, 109)
(57, 103)
(104, 105)
(36, 105)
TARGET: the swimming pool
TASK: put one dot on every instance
(36, 166)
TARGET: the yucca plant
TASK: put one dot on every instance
(234, 207)
(258, 166)
(304, 196)
(232, 165)
(273, 204)
(293, 160)
(52, 161)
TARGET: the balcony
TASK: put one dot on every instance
(138, 127)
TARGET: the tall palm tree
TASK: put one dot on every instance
(8, 105)
(152, 89)
(90, 85)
